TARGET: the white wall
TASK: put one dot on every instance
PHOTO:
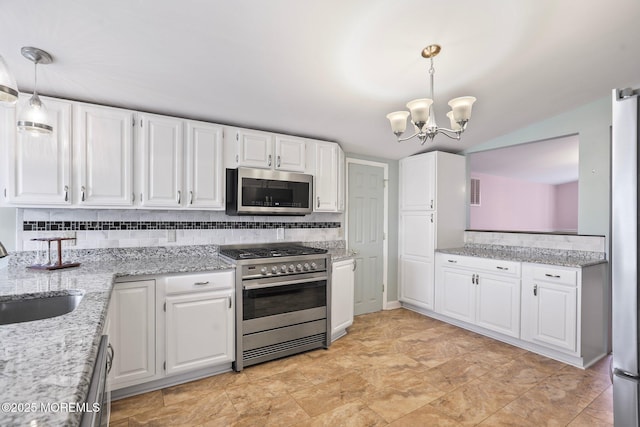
(8, 228)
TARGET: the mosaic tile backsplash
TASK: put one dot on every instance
(104, 228)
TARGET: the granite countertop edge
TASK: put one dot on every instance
(51, 361)
(568, 258)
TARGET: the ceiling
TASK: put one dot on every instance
(329, 69)
(552, 161)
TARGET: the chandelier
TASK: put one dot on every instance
(423, 114)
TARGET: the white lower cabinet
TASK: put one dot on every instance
(342, 297)
(471, 292)
(550, 306)
(133, 333)
(165, 328)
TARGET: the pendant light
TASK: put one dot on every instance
(8, 85)
(34, 119)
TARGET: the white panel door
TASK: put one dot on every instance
(205, 171)
(291, 153)
(255, 149)
(162, 160)
(103, 139)
(199, 330)
(40, 166)
(417, 182)
(552, 314)
(416, 282)
(498, 304)
(342, 297)
(132, 316)
(456, 296)
(326, 178)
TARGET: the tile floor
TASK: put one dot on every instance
(394, 368)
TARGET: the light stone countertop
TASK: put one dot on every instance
(340, 254)
(565, 258)
(50, 361)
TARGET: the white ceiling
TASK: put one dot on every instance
(329, 69)
(552, 161)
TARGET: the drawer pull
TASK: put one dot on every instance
(502, 268)
(535, 290)
(555, 276)
(452, 261)
(201, 283)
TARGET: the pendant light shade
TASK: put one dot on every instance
(8, 85)
(34, 119)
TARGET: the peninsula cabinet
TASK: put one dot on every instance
(432, 216)
(103, 147)
(38, 166)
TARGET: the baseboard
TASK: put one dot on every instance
(391, 305)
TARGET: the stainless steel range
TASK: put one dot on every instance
(283, 297)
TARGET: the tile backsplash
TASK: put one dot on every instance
(537, 240)
(99, 228)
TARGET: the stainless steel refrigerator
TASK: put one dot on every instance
(624, 257)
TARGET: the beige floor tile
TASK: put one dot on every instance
(602, 406)
(586, 420)
(178, 393)
(426, 415)
(352, 414)
(392, 404)
(125, 408)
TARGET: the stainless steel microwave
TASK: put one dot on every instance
(266, 192)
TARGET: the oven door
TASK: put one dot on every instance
(274, 296)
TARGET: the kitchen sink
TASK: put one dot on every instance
(38, 307)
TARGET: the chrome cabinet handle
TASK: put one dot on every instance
(82, 190)
(453, 261)
(355, 265)
(133, 197)
(431, 218)
(535, 290)
(555, 276)
(473, 279)
(269, 162)
(278, 162)
(431, 203)
(190, 197)
(229, 301)
(502, 268)
(318, 201)
(201, 283)
(110, 357)
(66, 193)
(179, 196)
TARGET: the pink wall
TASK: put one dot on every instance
(512, 204)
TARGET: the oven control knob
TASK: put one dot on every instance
(292, 267)
(314, 265)
(306, 266)
(283, 268)
(299, 267)
(274, 269)
(263, 270)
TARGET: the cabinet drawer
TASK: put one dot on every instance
(554, 275)
(199, 282)
(495, 266)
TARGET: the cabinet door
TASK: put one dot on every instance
(417, 182)
(291, 154)
(132, 317)
(326, 178)
(255, 149)
(103, 139)
(205, 172)
(162, 159)
(417, 234)
(456, 296)
(199, 330)
(40, 165)
(550, 315)
(416, 282)
(342, 297)
(498, 304)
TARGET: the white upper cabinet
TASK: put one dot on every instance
(268, 151)
(418, 182)
(39, 166)
(291, 153)
(204, 166)
(328, 177)
(162, 143)
(103, 144)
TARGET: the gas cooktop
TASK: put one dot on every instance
(268, 250)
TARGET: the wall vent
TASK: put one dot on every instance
(475, 192)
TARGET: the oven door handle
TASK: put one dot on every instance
(249, 287)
